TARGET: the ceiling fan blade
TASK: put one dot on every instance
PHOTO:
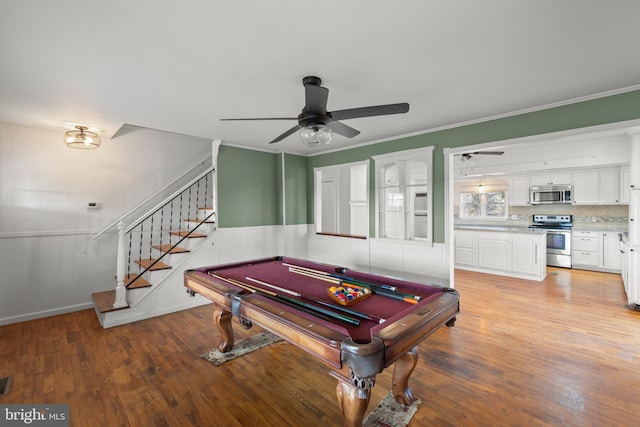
(377, 110)
(261, 118)
(287, 133)
(344, 130)
(315, 100)
(490, 153)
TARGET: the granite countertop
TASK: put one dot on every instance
(522, 227)
(601, 226)
(500, 228)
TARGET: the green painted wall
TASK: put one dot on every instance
(296, 189)
(250, 182)
(610, 109)
(247, 187)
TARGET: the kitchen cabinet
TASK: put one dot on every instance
(519, 191)
(609, 190)
(465, 248)
(512, 253)
(632, 286)
(633, 275)
(635, 162)
(624, 264)
(585, 249)
(596, 250)
(493, 251)
(549, 179)
(586, 188)
(634, 217)
(611, 256)
(528, 254)
(625, 184)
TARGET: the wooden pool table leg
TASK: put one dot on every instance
(401, 373)
(352, 407)
(222, 319)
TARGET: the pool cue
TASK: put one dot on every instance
(319, 301)
(266, 295)
(338, 276)
(412, 299)
(293, 302)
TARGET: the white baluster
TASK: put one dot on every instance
(121, 290)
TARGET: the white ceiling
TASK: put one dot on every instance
(182, 66)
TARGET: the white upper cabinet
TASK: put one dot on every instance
(635, 162)
(608, 186)
(519, 191)
(550, 179)
(586, 188)
(625, 185)
(609, 191)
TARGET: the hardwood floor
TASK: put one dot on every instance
(562, 352)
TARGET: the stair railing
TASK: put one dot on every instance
(154, 230)
(154, 196)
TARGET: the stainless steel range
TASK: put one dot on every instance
(558, 229)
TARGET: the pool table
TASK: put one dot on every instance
(356, 339)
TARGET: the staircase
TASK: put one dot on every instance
(154, 251)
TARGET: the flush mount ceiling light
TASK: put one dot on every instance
(82, 138)
(316, 135)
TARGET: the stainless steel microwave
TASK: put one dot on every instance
(548, 194)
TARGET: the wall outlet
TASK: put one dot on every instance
(93, 205)
(514, 217)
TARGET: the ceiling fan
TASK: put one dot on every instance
(317, 125)
(467, 156)
(467, 159)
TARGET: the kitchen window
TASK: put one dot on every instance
(404, 188)
(483, 203)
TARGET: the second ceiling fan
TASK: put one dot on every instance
(317, 124)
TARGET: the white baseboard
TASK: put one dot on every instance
(122, 317)
(44, 313)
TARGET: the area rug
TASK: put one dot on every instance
(390, 413)
(241, 348)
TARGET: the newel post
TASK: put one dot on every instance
(121, 290)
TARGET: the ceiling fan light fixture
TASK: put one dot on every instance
(82, 138)
(316, 135)
(466, 160)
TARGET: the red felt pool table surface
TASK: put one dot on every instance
(277, 272)
(354, 352)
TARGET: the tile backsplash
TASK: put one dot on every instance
(582, 214)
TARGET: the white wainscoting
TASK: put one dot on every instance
(49, 275)
(407, 260)
(411, 261)
(342, 251)
(46, 274)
